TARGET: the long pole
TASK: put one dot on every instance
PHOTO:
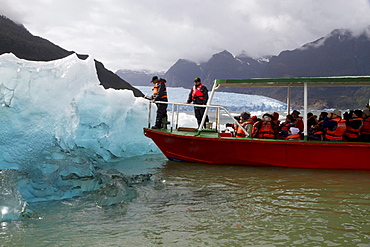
(288, 101)
(305, 99)
(214, 88)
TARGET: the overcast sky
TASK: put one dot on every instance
(154, 34)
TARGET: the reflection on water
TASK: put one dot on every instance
(212, 205)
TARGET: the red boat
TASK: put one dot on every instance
(212, 147)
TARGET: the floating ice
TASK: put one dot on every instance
(60, 103)
(12, 203)
(58, 124)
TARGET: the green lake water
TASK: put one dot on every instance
(204, 205)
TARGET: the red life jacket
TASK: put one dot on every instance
(286, 126)
(352, 132)
(197, 93)
(294, 137)
(337, 133)
(365, 129)
(239, 132)
(299, 124)
(277, 122)
(156, 90)
(254, 129)
(266, 131)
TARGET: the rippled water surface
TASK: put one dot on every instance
(203, 205)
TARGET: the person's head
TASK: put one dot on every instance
(197, 81)
(310, 114)
(323, 115)
(357, 113)
(295, 113)
(154, 79)
(275, 115)
(266, 117)
(336, 113)
(289, 118)
(245, 115)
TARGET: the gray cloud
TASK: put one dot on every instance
(147, 34)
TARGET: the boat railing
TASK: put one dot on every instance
(175, 112)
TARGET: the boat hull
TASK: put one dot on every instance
(257, 152)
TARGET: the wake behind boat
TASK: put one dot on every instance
(213, 147)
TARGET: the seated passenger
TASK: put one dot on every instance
(335, 126)
(354, 124)
(266, 128)
(316, 132)
(365, 129)
(322, 116)
(247, 123)
(311, 120)
(275, 118)
(254, 118)
(297, 120)
(293, 134)
(285, 126)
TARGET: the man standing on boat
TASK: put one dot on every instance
(199, 96)
(159, 94)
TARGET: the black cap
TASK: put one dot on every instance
(197, 79)
(154, 78)
(245, 115)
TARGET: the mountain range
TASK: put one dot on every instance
(340, 53)
(16, 39)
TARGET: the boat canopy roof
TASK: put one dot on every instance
(296, 82)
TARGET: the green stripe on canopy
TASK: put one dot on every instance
(296, 82)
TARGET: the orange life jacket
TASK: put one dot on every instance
(156, 90)
(266, 131)
(239, 132)
(196, 92)
(352, 132)
(337, 133)
(365, 129)
(294, 137)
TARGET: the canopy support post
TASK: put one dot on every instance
(305, 98)
(288, 101)
(214, 88)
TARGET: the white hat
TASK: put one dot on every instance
(294, 130)
(337, 112)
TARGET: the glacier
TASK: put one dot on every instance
(60, 129)
(60, 103)
(59, 126)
